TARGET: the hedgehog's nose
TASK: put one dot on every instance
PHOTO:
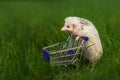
(63, 29)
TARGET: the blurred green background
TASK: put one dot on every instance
(27, 26)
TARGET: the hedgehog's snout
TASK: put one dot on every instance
(64, 29)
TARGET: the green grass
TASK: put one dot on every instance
(26, 27)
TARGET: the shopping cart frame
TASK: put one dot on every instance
(64, 56)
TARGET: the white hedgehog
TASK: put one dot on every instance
(81, 27)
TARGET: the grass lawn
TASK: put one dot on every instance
(27, 26)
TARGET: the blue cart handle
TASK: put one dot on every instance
(85, 38)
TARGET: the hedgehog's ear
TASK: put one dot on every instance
(74, 26)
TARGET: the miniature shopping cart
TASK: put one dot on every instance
(64, 53)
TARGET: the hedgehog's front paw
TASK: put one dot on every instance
(77, 38)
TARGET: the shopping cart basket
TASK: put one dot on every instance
(64, 53)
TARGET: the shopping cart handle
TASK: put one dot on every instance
(70, 52)
(85, 38)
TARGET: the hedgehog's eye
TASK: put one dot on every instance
(68, 26)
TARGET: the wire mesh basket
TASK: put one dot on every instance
(64, 53)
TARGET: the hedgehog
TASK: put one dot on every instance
(80, 27)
